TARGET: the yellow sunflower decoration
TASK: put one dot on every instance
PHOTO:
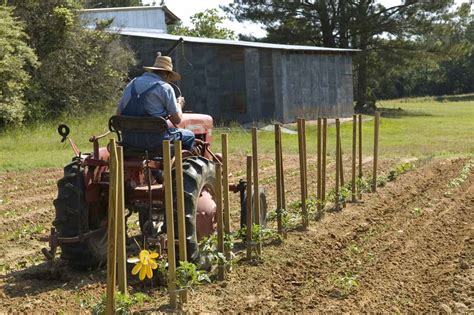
(145, 265)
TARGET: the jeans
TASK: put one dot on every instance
(187, 137)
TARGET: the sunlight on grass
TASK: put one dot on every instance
(427, 126)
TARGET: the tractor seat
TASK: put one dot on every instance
(158, 125)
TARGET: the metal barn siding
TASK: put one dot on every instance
(244, 83)
(137, 19)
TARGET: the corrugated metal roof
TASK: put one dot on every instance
(235, 42)
(169, 15)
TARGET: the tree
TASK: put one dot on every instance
(80, 69)
(361, 24)
(15, 57)
(205, 24)
(92, 4)
(47, 22)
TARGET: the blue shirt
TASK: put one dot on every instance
(158, 102)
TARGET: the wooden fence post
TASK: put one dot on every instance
(112, 229)
(303, 182)
(249, 208)
(220, 225)
(256, 188)
(319, 166)
(341, 169)
(360, 153)
(376, 150)
(338, 148)
(354, 149)
(323, 171)
(121, 234)
(183, 255)
(278, 177)
(225, 188)
(169, 223)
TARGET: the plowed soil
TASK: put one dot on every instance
(409, 247)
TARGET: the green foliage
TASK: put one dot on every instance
(205, 24)
(15, 57)
(208, 247)
(80, 69)
(111, 3)
(123, 303)
(346, 283)
(398, 170)
(461, 178)
(188, 276)
(48, 22)
(88, 72)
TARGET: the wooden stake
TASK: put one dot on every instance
(282, 174)
(278, 178)
(319, 166)
(354, 149)
(183, 254)
(376, 150)
(338, 149)
(305, 155)
(225, 190)
(220, 225)
(249, 208)
(112, 229)
(169, 223)
(360, 154)
(323, 170)
(256, 189)
(302, 172)
(341, 168)
(121, 234)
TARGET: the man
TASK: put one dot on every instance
(151, 95)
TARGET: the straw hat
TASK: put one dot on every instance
(164, 63)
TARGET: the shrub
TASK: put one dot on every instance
(87, 72)
(15, 57)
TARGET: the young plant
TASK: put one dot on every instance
(123, 303)
(188, 276)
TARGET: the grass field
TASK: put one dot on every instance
(442, 126)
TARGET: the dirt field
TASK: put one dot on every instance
(407, 248)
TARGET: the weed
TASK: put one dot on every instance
(123, 303)
(27, 230)
(346, 283)
(416, 212)
(354, 249)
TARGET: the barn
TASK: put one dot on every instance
(251, 81)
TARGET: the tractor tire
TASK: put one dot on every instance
(263, 209)
(72, 219)
(199, 176)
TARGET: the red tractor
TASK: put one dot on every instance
(80, 225)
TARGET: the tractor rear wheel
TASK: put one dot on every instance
(72, 219)
(199, 176)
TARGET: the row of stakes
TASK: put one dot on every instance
(116, 255)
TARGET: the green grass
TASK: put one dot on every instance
(430, 126)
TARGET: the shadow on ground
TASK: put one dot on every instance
(399, 113)
(42, 278)
(455, 98)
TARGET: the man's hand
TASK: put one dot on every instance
(180, 101)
